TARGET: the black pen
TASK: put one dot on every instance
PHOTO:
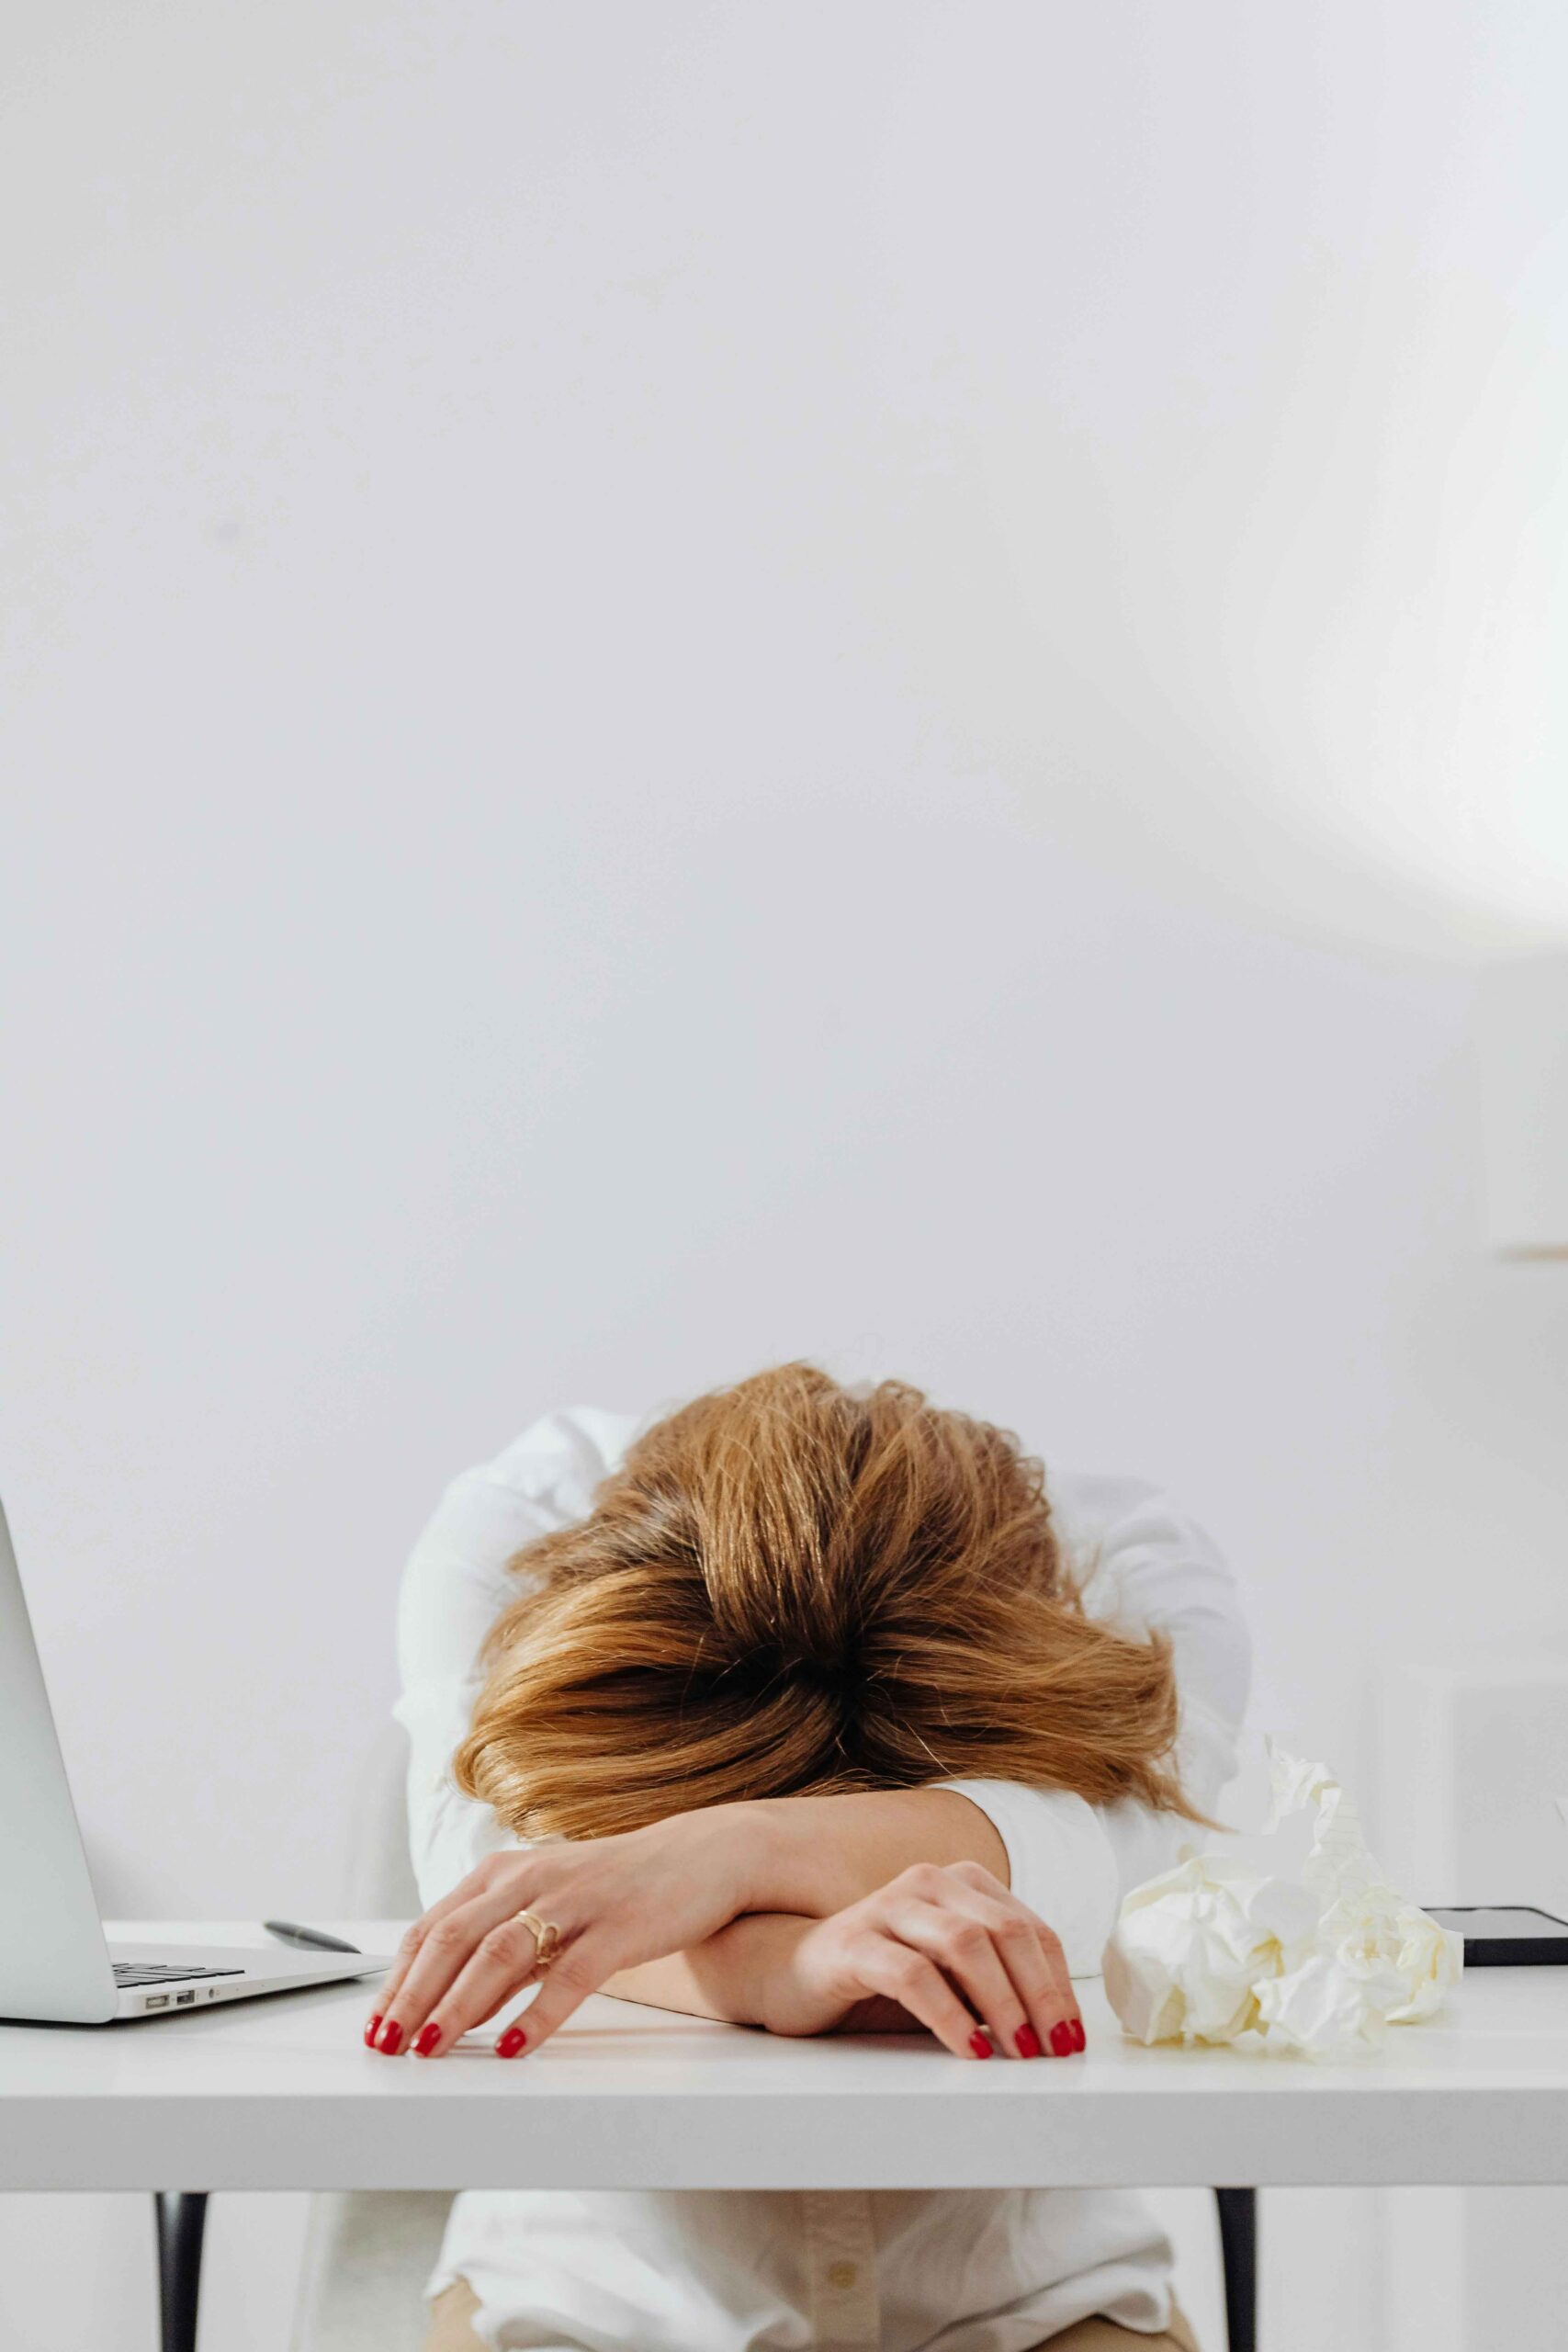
(315, 1938)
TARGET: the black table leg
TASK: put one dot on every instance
(182, 2222)
(1238, 2251)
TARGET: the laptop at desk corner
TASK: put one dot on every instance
(56, 1965)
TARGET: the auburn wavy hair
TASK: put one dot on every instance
(792, 1586)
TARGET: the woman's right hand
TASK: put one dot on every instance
(614, 1903)
(949, 1949)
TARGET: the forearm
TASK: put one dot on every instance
(735, 1976)
(744, 1976)
(814, 1856)
(806, 1858)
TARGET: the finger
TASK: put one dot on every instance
(442, 2029)
(1038, 1972)
(443, 1954)
(1061, 2007)
(1068, 2014)
(582, 1968)
(983, 1880)
(502, 1965)
(413, 1938)
(962, 1949)
(884, 1964)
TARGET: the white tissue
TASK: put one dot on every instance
(1323, 1964)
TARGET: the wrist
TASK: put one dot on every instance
(762, 1855)
(770, 1987)
(739, 1849)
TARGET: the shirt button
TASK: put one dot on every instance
(841, 2274)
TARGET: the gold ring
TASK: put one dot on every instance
(546, 1934)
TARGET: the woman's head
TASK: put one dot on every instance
(792, 1586)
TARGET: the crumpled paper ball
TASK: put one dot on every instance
(1321, 1964)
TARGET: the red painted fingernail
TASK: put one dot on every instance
(1061, 2037)
(391, 2039)
(372, 2029)
(510, 2042)
(425, 2039)
(1028, 2041)
(1078, 2033)
(979, 2045)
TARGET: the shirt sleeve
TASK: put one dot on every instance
(456, 1584)
(1145, 1564)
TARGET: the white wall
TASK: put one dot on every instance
(697, 684)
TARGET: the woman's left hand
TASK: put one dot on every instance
(951, 1950)
(614, 1903)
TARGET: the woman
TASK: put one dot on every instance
(805, 1708)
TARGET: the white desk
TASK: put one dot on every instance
(280, 2094)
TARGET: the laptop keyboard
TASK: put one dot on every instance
(148, 1971)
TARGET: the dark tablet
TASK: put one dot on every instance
(1505, 1935)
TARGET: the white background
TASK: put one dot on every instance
(695, 683)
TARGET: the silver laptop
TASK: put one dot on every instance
(55, 1964)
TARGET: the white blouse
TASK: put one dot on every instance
(741, 2271)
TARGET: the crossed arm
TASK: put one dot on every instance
(801, 1915)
